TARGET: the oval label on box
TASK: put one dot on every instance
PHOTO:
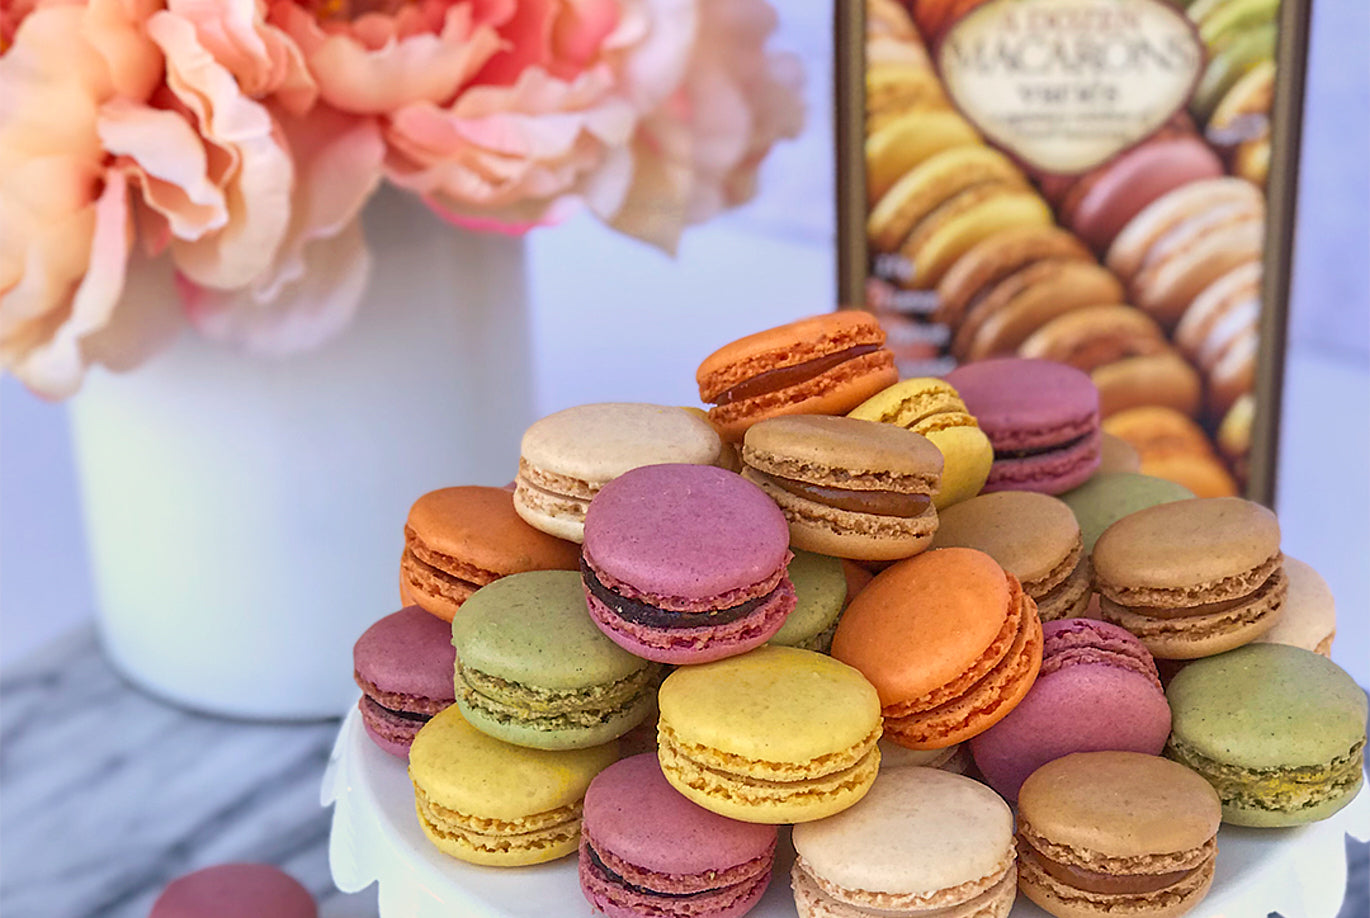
(1068, 84)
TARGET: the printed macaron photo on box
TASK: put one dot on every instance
(1107, 184)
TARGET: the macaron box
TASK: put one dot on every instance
(1087, 182)
(867, 673)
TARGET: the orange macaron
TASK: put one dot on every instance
(826, 364)
(949, 640)
(457, 540)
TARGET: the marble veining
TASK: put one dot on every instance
(107, 793)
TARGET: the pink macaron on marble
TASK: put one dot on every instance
(235, 891)
(1041, 417)
(1097, 691)
(686, 563)
(647, 852)
(404, 665)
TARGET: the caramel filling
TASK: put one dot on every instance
(784, 377)
(1105, 884)
(650, 616)
(878, 503)
(1206, 608)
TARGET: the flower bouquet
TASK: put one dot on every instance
(205, 165)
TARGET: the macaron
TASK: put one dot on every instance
(933, 182)
(1098, 689)
(996, 259)
(907, 140)
(1032, 536)
(894, 88)
(1194, 257)
(1229, 63)
(686, 563)
(1116, 833)
(825, 364)
(403, 665)
(1126, 355)
(949, 640)
(1115, 455)
(779, 735)
(1308, 618)
(235, 890)
(1174, 447)
(533, 669)
(932, 407)
(849, 488)
(1234, 434)
(456, 540)
(1192, 578)
(1110, 496)
(648, 852)
(1101, 203)
(961, 221)
(820, 590)
(566, 457)
(1041, 417)
(955, 759)
(1278, 731)
(1193, 201)
(489, 802)
(922, 842)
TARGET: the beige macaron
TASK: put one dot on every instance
(566, 457)
(848, 487)
(1034, 537)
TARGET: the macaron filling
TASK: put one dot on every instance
(769, 381)
(1275, 790)
(877, 502)
(732, 884)
(432, 571)
(550, 709)
(975, 897)
(643, 613)
(1257, 594)
(1108, 884)
(552, 829)
(379, 709)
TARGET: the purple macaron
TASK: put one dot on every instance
(404, 665)
(1042, 419)
(647, 852)
(235, 891)
(686, 563)
(1097, 691)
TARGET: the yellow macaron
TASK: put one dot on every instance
(489, 802)
(777, 735)
(933, 408)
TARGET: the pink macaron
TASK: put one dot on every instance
(235, 891)
(1041, 417)
(647, 852)
(1097, 690)
(1101, 204)
(404, 665)
(686, 563)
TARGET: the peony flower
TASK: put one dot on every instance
(699, 152)
(550, 118)
(65, 228)
(392, 52)
(318, 274)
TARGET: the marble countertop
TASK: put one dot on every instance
(109, 793)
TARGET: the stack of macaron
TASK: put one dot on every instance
(725, 627)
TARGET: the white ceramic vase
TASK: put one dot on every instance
(245, 515)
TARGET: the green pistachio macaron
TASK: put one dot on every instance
(1108, 497)
(820, 587)
(532, 669)
(1278, 731)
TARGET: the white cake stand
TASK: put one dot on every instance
(1300, 873)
